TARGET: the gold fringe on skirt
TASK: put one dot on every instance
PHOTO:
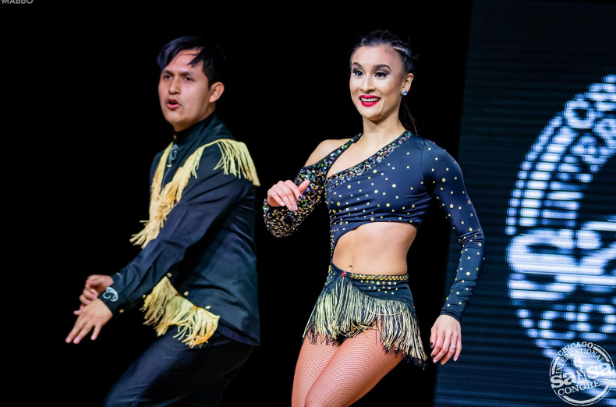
(343, 310)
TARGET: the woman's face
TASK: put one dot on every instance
(377, 81)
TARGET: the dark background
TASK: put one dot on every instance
(82, 123)
(526, 60)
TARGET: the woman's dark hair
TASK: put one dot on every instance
(385, 37)
(212, 55)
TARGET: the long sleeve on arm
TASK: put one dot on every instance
(205, 200)
(444, 180)
(281, 221)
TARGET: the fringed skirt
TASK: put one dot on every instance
(351, 303)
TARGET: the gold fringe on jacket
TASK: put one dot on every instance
(235, 160)
(164, 306)
(342, 309)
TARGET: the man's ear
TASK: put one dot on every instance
(216, 90)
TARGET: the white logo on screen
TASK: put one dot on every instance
(578, 368)
(563, 278)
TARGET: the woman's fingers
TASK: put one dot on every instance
(433, 337)
(450, 351)
(297, 193)
(286, 193)
(458, 348)
(302, 187)
(438, 344)
(289, 193)
(443, 346)
(272, 195)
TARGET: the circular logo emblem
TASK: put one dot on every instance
(582, 373)
(561, 221)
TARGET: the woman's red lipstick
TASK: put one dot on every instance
(368, 100)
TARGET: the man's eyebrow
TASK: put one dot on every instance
(181, 72)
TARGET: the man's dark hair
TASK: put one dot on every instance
(211, 53)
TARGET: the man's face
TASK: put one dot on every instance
(185, 94)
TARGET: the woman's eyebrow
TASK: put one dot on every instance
(379, 66)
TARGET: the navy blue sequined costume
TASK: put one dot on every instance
(396, 184)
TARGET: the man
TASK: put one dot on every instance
(196, 274)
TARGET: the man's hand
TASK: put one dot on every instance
(95, 284)
(446, 337)
(92, 316)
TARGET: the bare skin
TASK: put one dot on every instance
(92, 314)
(374, 248)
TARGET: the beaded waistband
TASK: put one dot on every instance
(369, 277)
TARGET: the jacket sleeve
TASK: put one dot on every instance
(444, 180)
(281, 221)
(205, 200)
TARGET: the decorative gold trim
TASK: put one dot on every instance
(342, 309)
(165, 307)
(235, 160)
(371, 277)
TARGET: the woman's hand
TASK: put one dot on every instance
(286, 193)
(446, 339)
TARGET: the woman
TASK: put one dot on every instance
(377, 186)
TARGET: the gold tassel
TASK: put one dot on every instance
(235, 160)
(164, 307)
(343, 309)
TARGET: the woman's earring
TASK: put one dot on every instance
(405, 92)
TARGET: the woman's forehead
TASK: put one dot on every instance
(376, 55)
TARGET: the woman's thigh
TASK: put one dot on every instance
(313, 357)
(352, 371)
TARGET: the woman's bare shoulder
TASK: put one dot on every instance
(324, 148)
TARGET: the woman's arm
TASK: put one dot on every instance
(444, 180)
(288, 203)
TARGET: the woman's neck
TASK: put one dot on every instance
(381, 133)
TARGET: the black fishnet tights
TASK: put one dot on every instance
(328, 375)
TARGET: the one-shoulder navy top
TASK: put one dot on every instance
(396, 184)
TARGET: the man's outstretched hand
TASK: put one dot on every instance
(91, 317)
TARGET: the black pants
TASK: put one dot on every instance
(169, 373)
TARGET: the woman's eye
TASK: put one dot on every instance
(380, 74)
(357, 72)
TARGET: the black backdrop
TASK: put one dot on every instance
(81, 124)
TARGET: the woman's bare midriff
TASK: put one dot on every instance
(375, 248)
